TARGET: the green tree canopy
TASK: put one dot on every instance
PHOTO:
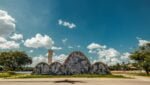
(14, 59)
(142, 57)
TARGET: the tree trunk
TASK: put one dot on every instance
(147, 72)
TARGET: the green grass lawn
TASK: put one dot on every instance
(13, 76)
(4, 75)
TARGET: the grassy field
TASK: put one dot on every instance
(13, 76)
(136, 73)
(139, 74)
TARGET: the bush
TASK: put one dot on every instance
(1, 68)
(11, 72)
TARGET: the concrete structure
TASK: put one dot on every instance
(50, 54)
(56, 68)
(41, 68)
(76, 63)
(100, 68)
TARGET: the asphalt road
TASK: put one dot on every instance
(73, 81)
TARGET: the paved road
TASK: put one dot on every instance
(73, 81)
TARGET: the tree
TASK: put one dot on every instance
(142, 57)
(118, 66)
(124, 66)
(14, 59)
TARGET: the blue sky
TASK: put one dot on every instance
(114, 23)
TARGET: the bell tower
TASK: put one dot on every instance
(50, 54)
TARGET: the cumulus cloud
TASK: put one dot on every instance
(114, 60)
(16, 36)
(107, 55)
(125, 57)
(5, 44)
(142, 42)
(39, 41)
(110, 52)
(60, 58)
(66, 24)
(7, 24)
(95, 46)
(44, 58)
(38, 59)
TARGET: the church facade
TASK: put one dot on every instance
(76, 63)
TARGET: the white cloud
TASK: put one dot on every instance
(5, 44)
(39, 41)
(66, 24)
(56, 48)
(95, 46)
(111, 52)
(114, 61)
(7, 24)
(143, 42)
(16, 36)
(2, 40)
(125, 57)
(107, 55)
(60, 58)
(43, 58)
(64, 40)
(38, 59)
